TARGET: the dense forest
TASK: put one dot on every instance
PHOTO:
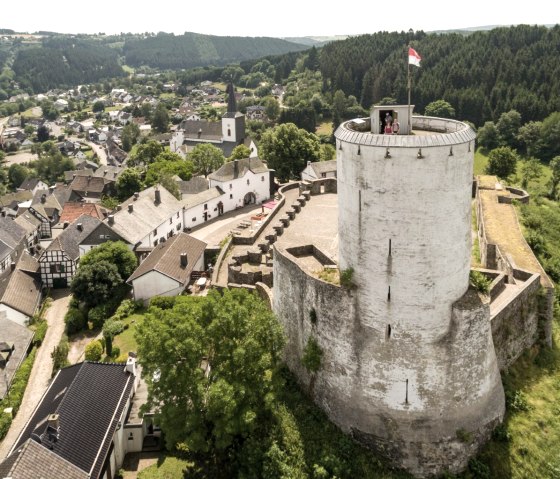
(170, 51)
(482, 75)
(65, 62)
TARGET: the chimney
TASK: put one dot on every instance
(65, 225)
(130, 207)
(43, 198)
(111, 219)
(74, 176)
(158, 196)
(136, 196)
(130, 366)
(105, 172)
(80, 227)
(52, 421)
(199, 132)
(184, 260)
(235, 168)
(13, 265)
(308, 163)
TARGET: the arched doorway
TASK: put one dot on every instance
(250, 199)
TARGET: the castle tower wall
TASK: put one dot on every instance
(409, 371)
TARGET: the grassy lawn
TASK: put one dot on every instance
(324, 128)
(480, 162)
(128, 69)
(167, 467)
(125, 341)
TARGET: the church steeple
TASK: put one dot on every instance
(232, 104)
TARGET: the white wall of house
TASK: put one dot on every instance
(228, 129)
(235, 190)
(153, 284)
(194, 216)
(14, 315)
(176, 141)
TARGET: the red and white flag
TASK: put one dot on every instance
(413, 57)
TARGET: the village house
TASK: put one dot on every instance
(33, 185)
(13, 240)
(256, 112)
(319, 169)
(244, 182)
(62, 441)
(167, 270)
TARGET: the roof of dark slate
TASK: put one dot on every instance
(109, 172)
(48, 200)
(29, 183)
(202, 130)
(33, 461)
(323, 166)
(21, 288)
(5, 250)
(166, 258)
(89, 399)
(28, 222)
(195, 185)
(10, 232)
(202, 197)
(229, 171)
(71, 174)
(91, 184)
(102, 234)
(70, 239)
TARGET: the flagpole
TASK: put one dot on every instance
(409, 88)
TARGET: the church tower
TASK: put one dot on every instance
(233, 122)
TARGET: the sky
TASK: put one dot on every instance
(284, 18)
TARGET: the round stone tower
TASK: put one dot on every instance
(427, 388)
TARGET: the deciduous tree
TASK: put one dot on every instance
(206, 158)
(502, 162)
(440, 108)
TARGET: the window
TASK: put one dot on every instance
(323, 175)
(230, 186)
(229, 132)
(178, 226)
(248, 182)
(57, 268)
(155, 242)
(177, 214)
(231, 197)
(205, 206)
(170, 221)
(194, 219)
(155, 232)
(262, 178)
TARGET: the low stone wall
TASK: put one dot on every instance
(265, 293)
(219, 262)
(320, 186)
(517, 194)
(515, 327)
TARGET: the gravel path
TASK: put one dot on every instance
(42, 368)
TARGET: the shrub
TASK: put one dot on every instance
(116, 352)
(478, 469)
(60, 355)
(163, 302)
(40, 333)
(97, 316)
(517, 402)
(127, 308)
(312, 355)
(75, 320)
(111, 328)
(94, 351)
(346, 278)
(463, 435)
(313, 315)
(5, 423)
(537, 242)
(501, 433)
(480, 282)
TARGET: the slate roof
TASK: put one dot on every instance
(195, 185)
(10, 232)
(109, 172)
(33, 461)
(18, 335)
(233, 170)
(202, 130)
(320, 167)
(89, 399)
(71, 174)
(48, 200)
(91, 184)
(21, 289)
(73, 210)
(5, 250)
(146, 215)
(28, 222)
(203, 197)
(70, 238)
(29, 183)
(166, 258)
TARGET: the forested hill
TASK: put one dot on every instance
(481, 75)
(170, 51)
(65, 62)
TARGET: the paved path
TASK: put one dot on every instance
(42, 368)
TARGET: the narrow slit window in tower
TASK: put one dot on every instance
(406, 394)
(389, 247)
(360, 200)
(388, 331)
(389, 294)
